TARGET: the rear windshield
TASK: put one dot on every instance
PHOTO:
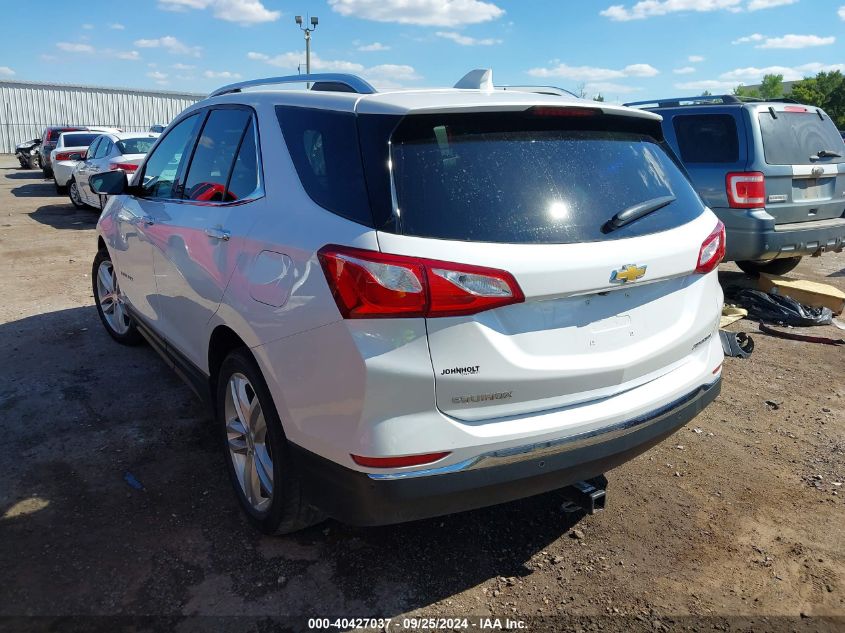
(135, 145)
(53, 134)
(518, 178)
(707, 138)
(79, 140)
(796, 138)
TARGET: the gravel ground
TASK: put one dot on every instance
(738, 514)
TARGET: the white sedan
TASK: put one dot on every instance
(70, 147)
(108, 152)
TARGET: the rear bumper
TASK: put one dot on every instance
(753, 236)
(62, 171)
(361, 499)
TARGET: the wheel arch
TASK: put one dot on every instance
(223, 341)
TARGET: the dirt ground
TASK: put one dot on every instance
(741, 513)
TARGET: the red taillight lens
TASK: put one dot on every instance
(398, 462)
(563, 111)
(712, 250)
(128, 167)
(795, 109)
(369, 284)
(746, 190)
(64, 155)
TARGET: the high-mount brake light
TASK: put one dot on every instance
(746, 189)
(795, 109)
(712, 251)
(370, 284)
(563, 111)
(398, 462)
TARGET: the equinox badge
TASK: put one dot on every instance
(629, 272)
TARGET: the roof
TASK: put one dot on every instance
(16, 83)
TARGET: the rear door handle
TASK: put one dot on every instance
(218, 234)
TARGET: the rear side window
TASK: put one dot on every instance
(135, 145)
(215, 153)
(324, 148)
(796, 138)
(518, 178)
(707, 138)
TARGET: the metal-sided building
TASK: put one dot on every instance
(26, 108)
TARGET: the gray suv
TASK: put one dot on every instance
(772, 171)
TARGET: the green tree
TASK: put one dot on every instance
(772, 87)
(706, 93)
(598, 97)
(825, 91)
(742, 91)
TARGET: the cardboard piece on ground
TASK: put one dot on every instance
(809, 293)
(731, 314)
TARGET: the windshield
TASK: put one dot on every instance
(521, 179)
(796, 138)
(135, 145)
(78, 140)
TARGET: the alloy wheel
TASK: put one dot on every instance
(110, 299)
(249, 450)
(74, 194)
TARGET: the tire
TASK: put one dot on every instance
(60, 190)
(773, 267)
(47, 173)
(75, 197)
(258, 459)
(109, 302)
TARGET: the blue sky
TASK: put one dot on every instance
(624, 49)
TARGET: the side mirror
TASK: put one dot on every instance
(76, 156)
(112, 183)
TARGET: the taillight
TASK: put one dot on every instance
(129, 167)
(563, 111)
(746, 190)
(369, 284)
(712, 250)
(795, 109)
(64, 155)
(398, 462)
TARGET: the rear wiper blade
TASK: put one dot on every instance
(636, 212)
(826, 153)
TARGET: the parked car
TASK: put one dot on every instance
(408, 304)
(773, 172)
(50, 137)
(27, 153)
(70, 149)
(116, 150)
(158, 128)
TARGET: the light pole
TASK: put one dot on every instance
(307, 30)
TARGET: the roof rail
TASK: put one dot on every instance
(703, 100)
(323, 80)
(543, 90)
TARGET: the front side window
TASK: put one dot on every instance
(217, 146)
(163, 164)
(244, 179)
(92, 149)
(103, 148)
(707, 138)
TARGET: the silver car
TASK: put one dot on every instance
(117, 150)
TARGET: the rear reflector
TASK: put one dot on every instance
(370, 284)
(712, 250)
(562, 111)
(746, 190)
(718, 369)
(128, 167)
(398, 462)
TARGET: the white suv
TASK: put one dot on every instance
(411, 303)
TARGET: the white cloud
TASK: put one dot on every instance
(686, 70)
(375, 46)
(695, 59)
(88, 27)
(841, 12)
(72, 47)
(590, 73)
(383, 76)
(752, 75)
(649, 8)
(181, 66)
(755, 37)
(117, 26)
(244, 12)
(5, 71)
(465, 40)
(221, 74)
(128, 55)
(713, 85)
(424, 12)
(797, 41)
(607, 88)
(157, 75)
(170, 44)
(756, 5)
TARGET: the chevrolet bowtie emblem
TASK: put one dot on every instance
(629, 272)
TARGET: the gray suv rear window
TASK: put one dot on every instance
(796, 138)
(707, 138)
(518, 178)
